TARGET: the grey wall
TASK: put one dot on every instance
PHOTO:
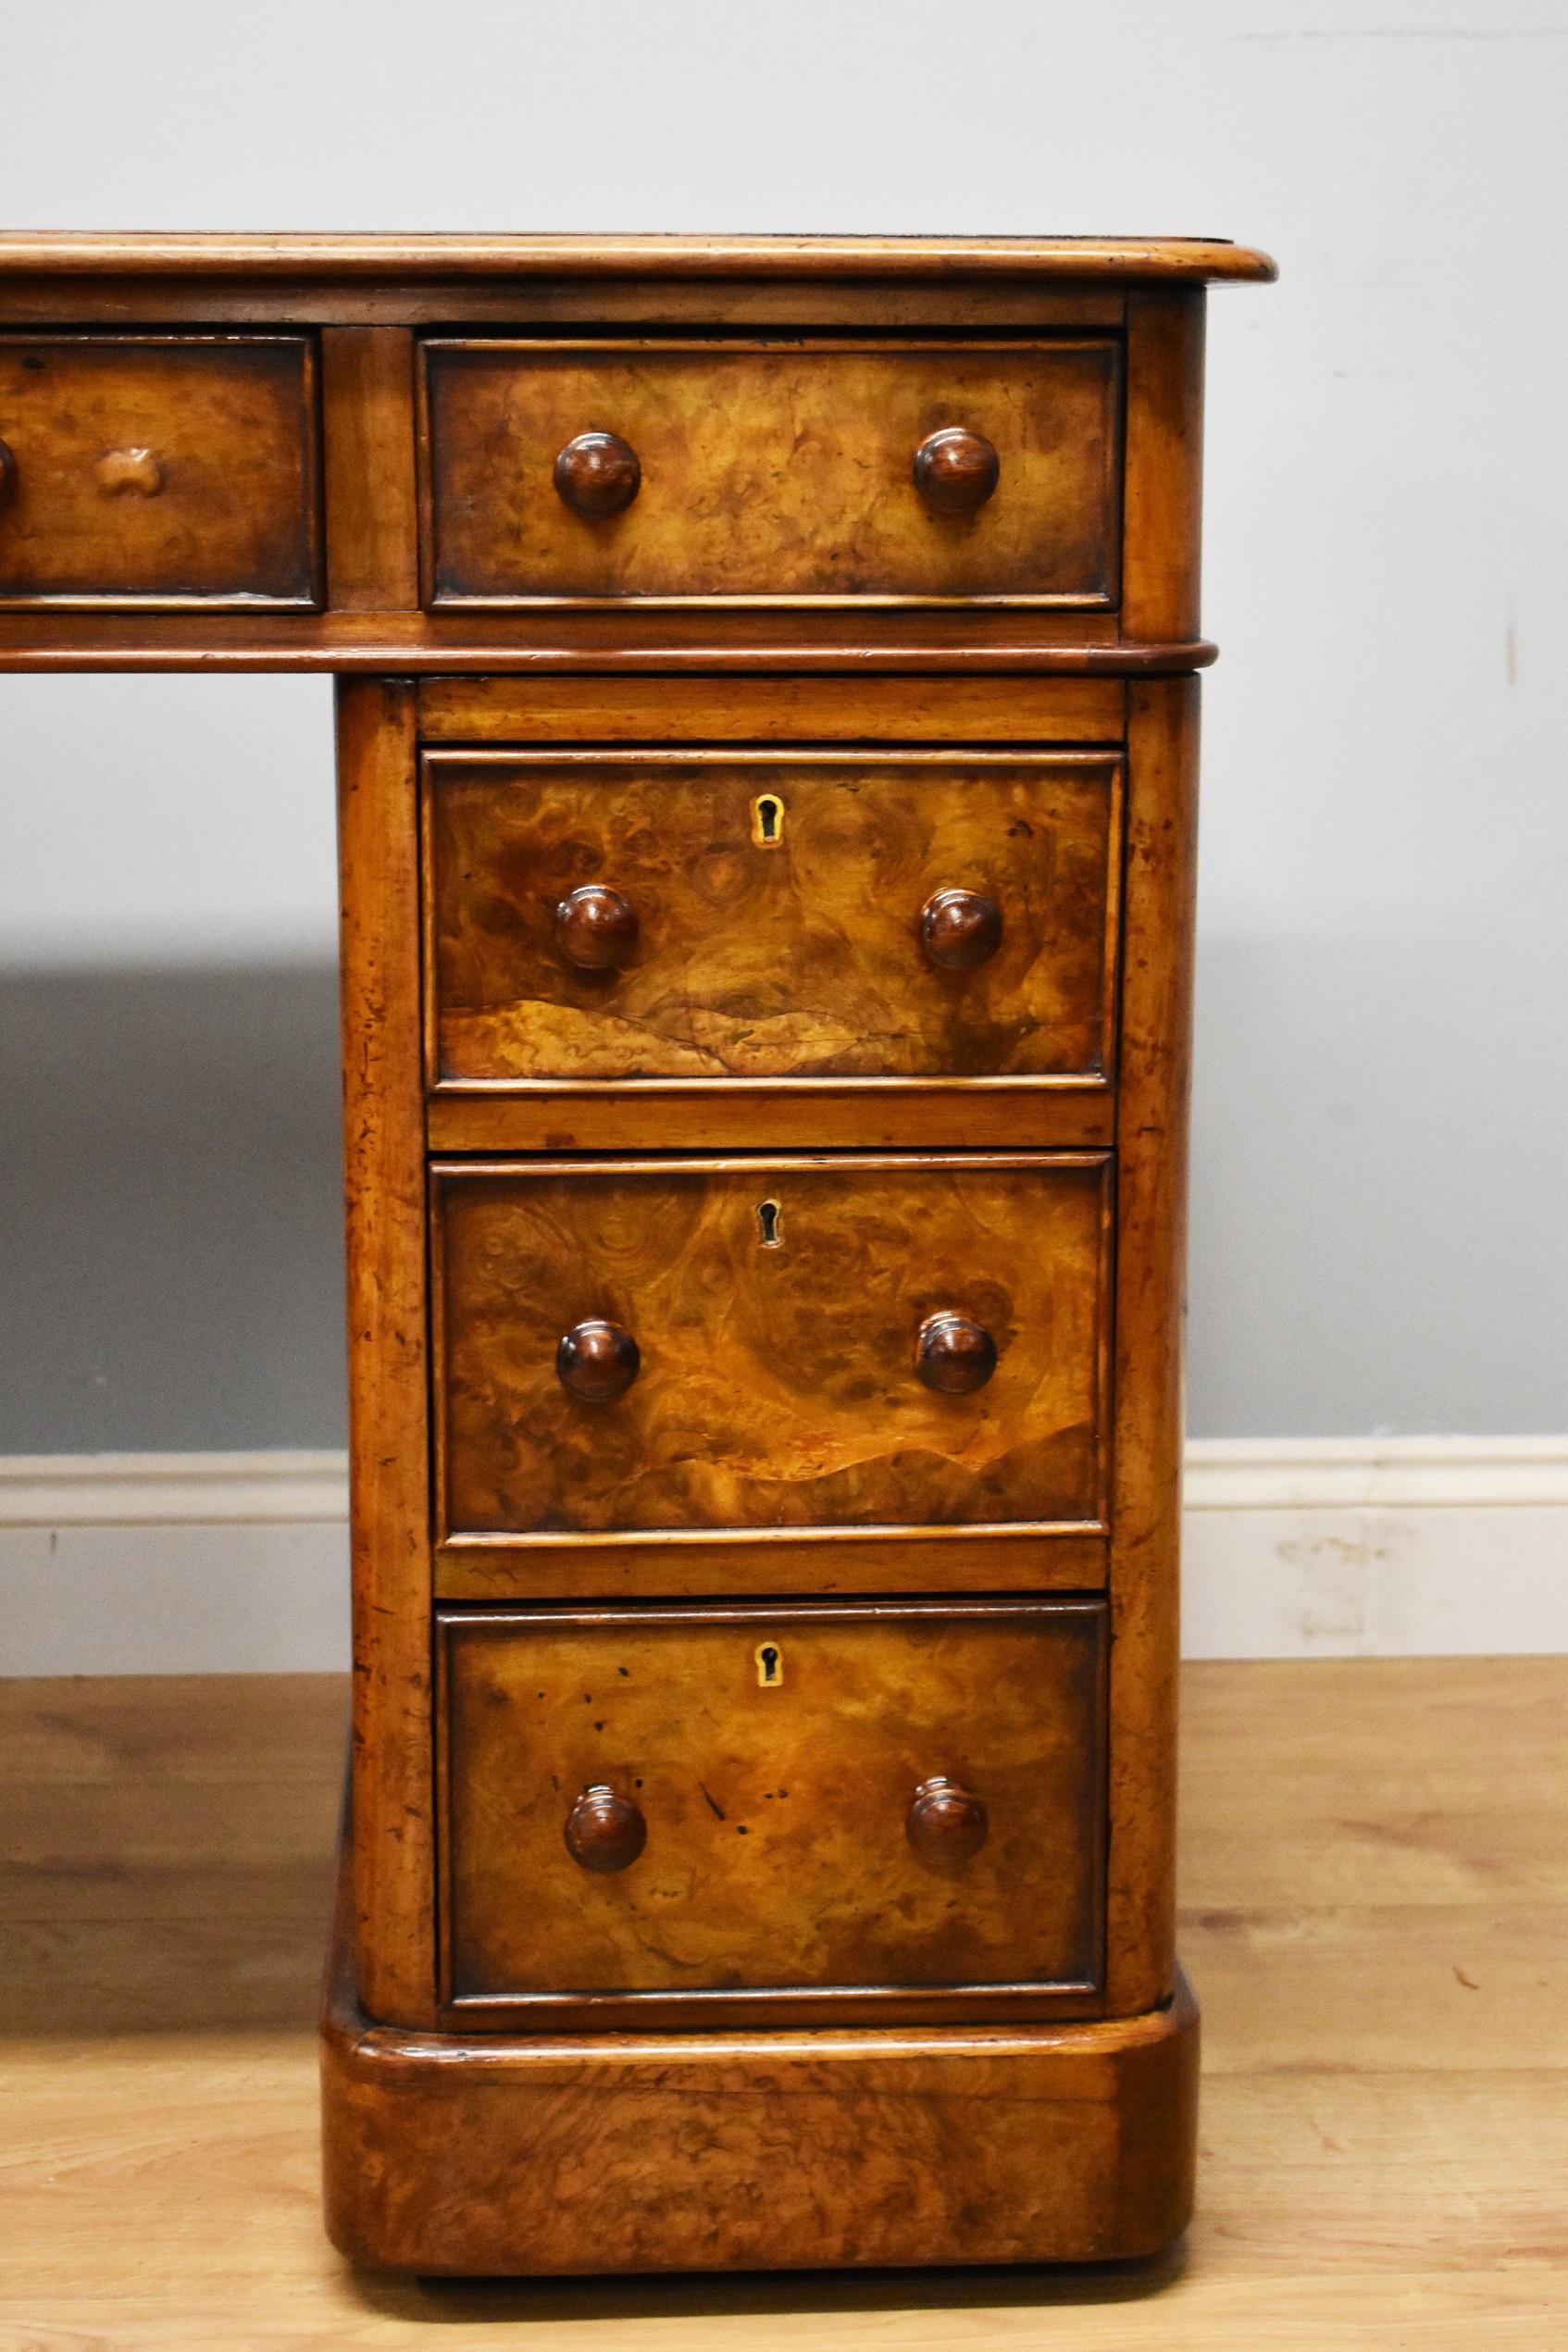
(170, 1181)
(1378, 1236)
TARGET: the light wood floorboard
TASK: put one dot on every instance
(1375, 1882)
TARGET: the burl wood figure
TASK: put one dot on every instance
(767, 754)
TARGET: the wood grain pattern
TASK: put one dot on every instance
(161, 470)
(522, 711)
(780, 470)
(782, 1115)
(1005, 303)
(567, 640)
(776, 1861)
(1066, 1556)
(193, 254)
(1164, 502)
(1151, 1137)
(957, 2144)
(165, 1848)
(796, 956)
(389, 1444)
(779, 1385)
(372, 526)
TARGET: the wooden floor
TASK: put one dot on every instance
(1376, 1919)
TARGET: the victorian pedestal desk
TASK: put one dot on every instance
(766, 740)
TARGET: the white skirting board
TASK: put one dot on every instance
(1311, 1547)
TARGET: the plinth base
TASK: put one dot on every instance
(491, 2156)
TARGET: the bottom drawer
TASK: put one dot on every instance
(716, 1808)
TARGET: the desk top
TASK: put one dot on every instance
(24, 252)
(334, 452)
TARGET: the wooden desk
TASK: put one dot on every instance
(767, 760)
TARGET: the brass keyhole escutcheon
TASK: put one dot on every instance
(770, 1665)
(768, 820)
(770, 1225)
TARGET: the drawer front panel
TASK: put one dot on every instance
(758, 1771)
(780, 1328)
(159, 470)
(782, 915)
(772, 470)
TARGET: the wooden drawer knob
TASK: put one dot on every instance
(945, 1824)
(134, 473)
(598, 474)
(960, 930)
(605, 1832)
(954, 1356)
(956, 470)
(595, 928)
(597, 1361)
(7, 473)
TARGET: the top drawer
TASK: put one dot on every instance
(812, 472)
(158, 469)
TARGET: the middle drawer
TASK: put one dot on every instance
(721, 916)
(801, 1373)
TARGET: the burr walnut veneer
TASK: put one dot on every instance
(767, 731)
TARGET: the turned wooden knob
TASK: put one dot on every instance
(960, 930)
(595, 929)
(598, 474)
(128, 472)
(945, 1824)
(956, 470)
(954, 1354)
(8, 472)
(597, 1361)
(605, 1831)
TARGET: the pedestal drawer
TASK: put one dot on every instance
(690, 916)
(159, 470)
(731, 1804)
(630, 1352)
(808, 471)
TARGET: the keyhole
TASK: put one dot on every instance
(770, 1664)
(768, 820)
(770, 1224)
